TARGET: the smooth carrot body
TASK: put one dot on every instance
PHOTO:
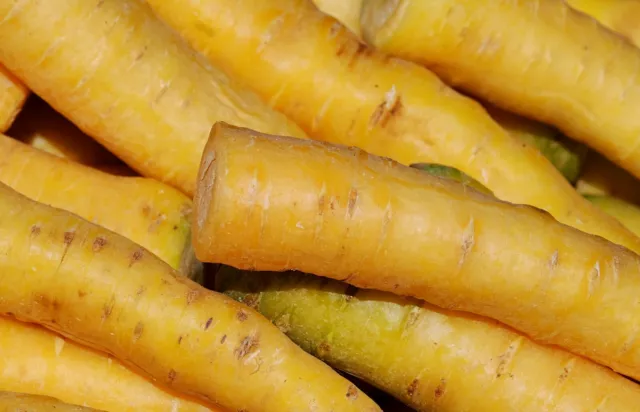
(432, 359)
(148, 212)
(124, 79)
(13, 95)
(377, 224)
(37, 361)
(314, 70)
(539, 58)
(42, 127)
(99, 289)
(621, 16)
(22, 402)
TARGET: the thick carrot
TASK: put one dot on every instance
(601, 177)
(430, 358)
(123, 78)
(42, 127)
(539, 58)
(13, 95)
(37, 361)
(148, 212)
(21, 402)
(102, 290)
(377, 224)
(621, 16)
(314, 70)
(628, 214)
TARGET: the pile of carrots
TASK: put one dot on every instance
(320, 205)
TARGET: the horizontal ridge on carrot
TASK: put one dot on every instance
(310, 67)
(126, 80)
(102, 290)
(432, 359)
(148, 212)
(277, 203)
(539, 58)
(62, 369)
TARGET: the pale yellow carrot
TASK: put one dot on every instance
(13, 95)
(539, 58)
(313, 69)
(21, 402)
(377, 224)
(432, 359)
(126, 80)
(621, 16)
(42, 127)
(37, 361)
(102, 290)
(148, 212)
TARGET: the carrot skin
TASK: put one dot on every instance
(37, 361)
(432, 359)
(104, 291)
(314, 70)
(13, 96)
(128, 82)
(377, 224)
(21, 402)
(621, 16)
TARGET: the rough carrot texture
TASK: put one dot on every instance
(431, 359)
(601, 177)
(313, 69)
(622, 16)
(42, 127)
(123, 78)
(100, 289)
(539, 58)
(20, 402)
(37, 361)
(369, 221)
(148, 212)
(13, 94)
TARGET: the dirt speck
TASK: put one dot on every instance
(242, 315)
(412, 388)
(440, 389)
(81, 293)
(247, 346)
(68, 237)
(223, 339)
(171, 376)
(98, 244)
(352, 393)
(208, 323)
(137, 331)
(35, 230)
(136, 256)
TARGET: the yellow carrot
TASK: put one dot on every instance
(622, 16)
(20, 402)
(36, 361)
(628, 214)
(539, 58)
(374, 223)
(42, 127)
(314, 70)
(148, 212)
(13, 94)
(102, 290)
(601, 177)
(346, 12)
(124, 79)
(432, 359)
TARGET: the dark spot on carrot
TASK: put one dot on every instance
(359, 51)
(440, 389)
(252, 300)
(137, 331)
(341, 49)
(396, 286)
(353, 200)
(141, 54)
(146, 210)
(175, 227)
(136, 256)
(98, 244)
(140, 291)
(208, 323)
(352, 393)
(350, 291)
(68, 237)
(35, 230)
(506, 358)
(172, 376)
(161, 93)
(224, 338)
(413, 386)
(391, 106)
(99, 4)
(248, 345)
(332, 204)
(376, 86)
(321, 204)
(47, 302)
(180, 339)
(242, 315)
(107, 309)
(185, 103)
(323, 349)
(82, 294)
(192, 295)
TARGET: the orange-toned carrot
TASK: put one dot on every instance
(102, 290)
(126, 80)
(539, 58)
(148, 212)
(314, 70)
(377, 224)
(37, 361)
